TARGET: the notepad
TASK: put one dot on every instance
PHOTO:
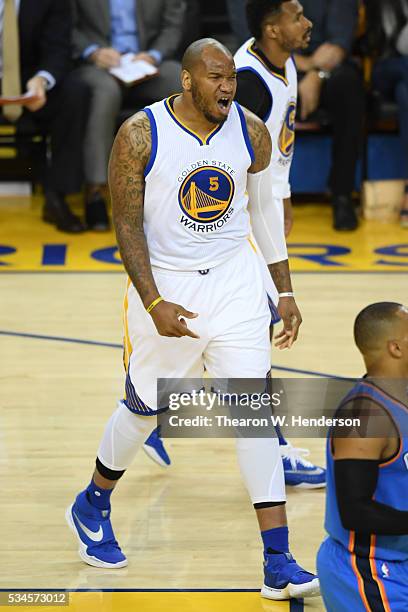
(130, 72)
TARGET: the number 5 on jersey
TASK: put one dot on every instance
(214, 183)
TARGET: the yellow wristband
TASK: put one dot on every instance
(154, 304)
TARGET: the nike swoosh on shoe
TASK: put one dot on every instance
(95, 536)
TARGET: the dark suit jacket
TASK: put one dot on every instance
(45, 37)
(376, 40)
(160, 25)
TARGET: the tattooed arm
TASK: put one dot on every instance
(129, 158)
(268, 227)
(260, 140)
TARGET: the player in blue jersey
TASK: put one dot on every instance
(363, 564)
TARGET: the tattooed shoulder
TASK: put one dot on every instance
(133, 142)
(260, 140)
(129, 158)
(140, 137)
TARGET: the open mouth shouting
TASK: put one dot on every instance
(224, 104)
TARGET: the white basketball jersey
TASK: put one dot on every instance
(281, 119)
(195, 209)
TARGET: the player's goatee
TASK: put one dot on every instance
(199, 102)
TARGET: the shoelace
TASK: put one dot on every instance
(296, 455)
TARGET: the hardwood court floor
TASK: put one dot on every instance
(187, 527)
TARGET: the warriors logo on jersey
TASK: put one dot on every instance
(206, 194)
(195, 211)
(287, 134)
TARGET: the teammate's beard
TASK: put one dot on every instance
(199, 102)
(290, 46)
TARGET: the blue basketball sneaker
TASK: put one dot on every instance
(285, 579)
(299, 472)
(154, 448)
(97, 544)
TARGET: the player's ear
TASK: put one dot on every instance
(395, 349)
(186, 80)
(272, 31)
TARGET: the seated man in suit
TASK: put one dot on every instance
(35, 56)
(329, 78)
(388, 37)
(103, 30)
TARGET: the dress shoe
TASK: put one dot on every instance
(96, 215)
(344, 214)
(57, 212)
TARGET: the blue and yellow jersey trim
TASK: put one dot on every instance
(202, 141)
(131, 399)
(254, 53)
(155, 140)
(127, 344)
(245, 132)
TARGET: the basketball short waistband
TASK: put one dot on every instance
(178, 273)
(206, 269)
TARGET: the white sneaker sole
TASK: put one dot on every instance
(308, 485)
(292, 591)
(82, 547)
(154, 456)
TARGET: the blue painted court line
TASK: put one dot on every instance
(311, 373)
(120, 346)
(296, 605)
(61, 339)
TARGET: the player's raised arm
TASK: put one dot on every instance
(268, 227)
(129, 158)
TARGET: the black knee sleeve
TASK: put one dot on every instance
(264, 505)
(107, 473)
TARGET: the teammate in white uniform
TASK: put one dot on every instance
(268, 86)
(181, 173)
(267, 81)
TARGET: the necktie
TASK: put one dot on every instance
(11, 60)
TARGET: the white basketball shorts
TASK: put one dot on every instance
(233, 325)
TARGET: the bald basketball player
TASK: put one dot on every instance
(363, 564)
(181, 172)
(267, 86)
